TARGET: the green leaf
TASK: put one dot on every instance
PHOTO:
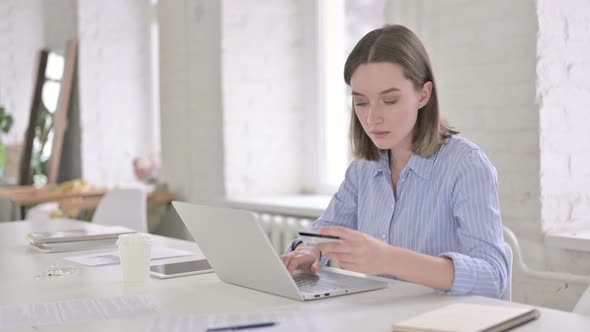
(2, 155)
(8, 121)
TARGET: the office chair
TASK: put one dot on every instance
(7, 212)
(507, 296)
(124, 207)
(583, 304)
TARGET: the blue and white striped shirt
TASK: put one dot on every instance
(447, 205)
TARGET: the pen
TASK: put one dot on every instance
(241, 327)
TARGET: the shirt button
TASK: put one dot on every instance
(383, 236)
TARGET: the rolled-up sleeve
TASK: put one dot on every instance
(481, 264)
(342, 210)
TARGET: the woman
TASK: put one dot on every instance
(419, 203)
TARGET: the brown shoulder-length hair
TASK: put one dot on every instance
(398, 44)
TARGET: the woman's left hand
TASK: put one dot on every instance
(358, 252)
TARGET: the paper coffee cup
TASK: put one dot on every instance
(134, 252)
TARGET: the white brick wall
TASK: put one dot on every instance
(263, 95)
(484, 55)
(21, 38)
(60, 23)
(563, 92)
(115, 88)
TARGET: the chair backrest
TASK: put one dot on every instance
(507, 296)
(8, 212)
(125, 207)
(583, 305)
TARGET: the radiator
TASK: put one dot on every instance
(282, 229)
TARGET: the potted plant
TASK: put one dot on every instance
(6, 121)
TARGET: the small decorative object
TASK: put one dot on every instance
(6, 121)
(146, 167)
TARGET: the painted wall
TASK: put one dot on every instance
(115, 88)
(21, 38)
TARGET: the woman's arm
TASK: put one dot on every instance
(481, 263)
(363, 253)
(426, 270)
(341, 211)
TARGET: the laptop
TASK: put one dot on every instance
(241, 254)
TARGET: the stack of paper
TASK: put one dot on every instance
(90, 236)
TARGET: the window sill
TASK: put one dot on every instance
(304, 206)
(572, 240)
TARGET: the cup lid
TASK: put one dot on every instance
(134, 239)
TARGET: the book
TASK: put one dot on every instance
(465, 317)
(87, 232)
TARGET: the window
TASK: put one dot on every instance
(340, 24)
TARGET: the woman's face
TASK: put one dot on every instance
(386, 103)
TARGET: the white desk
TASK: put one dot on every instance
(371, 311)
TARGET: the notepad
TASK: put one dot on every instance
(465, 317)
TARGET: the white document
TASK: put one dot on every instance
(112, 257)
(79, 310)
(284, 321)
(45, 314)
(74, 311)
(126, 306)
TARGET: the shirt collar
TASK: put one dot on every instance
(418, 164)
(381, 165)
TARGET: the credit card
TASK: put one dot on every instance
(312, 239)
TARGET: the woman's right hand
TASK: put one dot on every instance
(302, 258)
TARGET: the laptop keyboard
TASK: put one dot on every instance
(311, 283)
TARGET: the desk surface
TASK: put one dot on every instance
(371, 311)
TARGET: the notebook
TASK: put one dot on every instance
(87, 232)
(73, 245)
(465, 317)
